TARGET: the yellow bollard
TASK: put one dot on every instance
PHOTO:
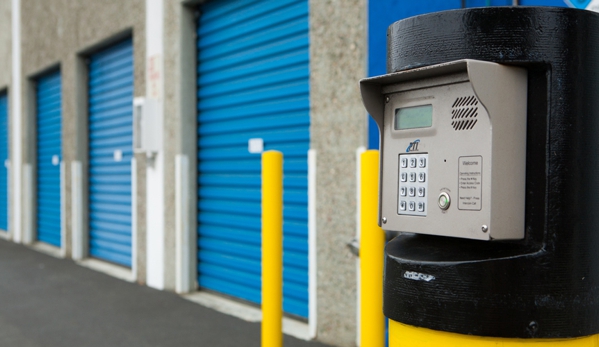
(402, 335)
(372, 249)
(272, 249)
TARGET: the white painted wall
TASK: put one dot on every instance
(155, 168)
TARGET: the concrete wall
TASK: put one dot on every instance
(338, 128)
(60, 33)
(180, 139)
(5, 44)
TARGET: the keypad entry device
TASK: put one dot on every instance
(453, 149)
(412, 184)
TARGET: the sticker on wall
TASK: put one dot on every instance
(55, 160)
(118, 155)
(255, 145)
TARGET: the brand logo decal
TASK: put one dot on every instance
(417, 276)
(413, 147)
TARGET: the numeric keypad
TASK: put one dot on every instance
(413, 184)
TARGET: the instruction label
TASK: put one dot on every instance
(470, 183)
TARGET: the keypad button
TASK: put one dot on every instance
(412, 162)
(402, 205)
(412, 206)
(413, 184)
(412, 177)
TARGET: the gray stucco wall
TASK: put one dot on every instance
(180, 130)
(338, 128)
(59, 33)
(5, 44)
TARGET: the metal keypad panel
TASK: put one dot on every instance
(413, 184)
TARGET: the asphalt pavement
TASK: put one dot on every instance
(45, 301)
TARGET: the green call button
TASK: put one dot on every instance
(444, 201)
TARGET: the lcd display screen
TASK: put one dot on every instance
(414, 117)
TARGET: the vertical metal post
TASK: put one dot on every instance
(27, 236)
(372, 248)
(272, 249)
(79, 237)
(183, 278)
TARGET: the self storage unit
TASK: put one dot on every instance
(48, 157)
(252, 86)
(110, 134)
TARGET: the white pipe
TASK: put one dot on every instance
(16, 121)
(182, 252)
(312, 265)
(79, 246)
(134, 231)
(27, 235)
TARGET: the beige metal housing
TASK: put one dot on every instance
(474, 152)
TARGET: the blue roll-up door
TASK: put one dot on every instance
(110, 152)
(3, 161)
(253, 82)
(49, 156)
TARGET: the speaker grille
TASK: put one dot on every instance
(464, 112)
